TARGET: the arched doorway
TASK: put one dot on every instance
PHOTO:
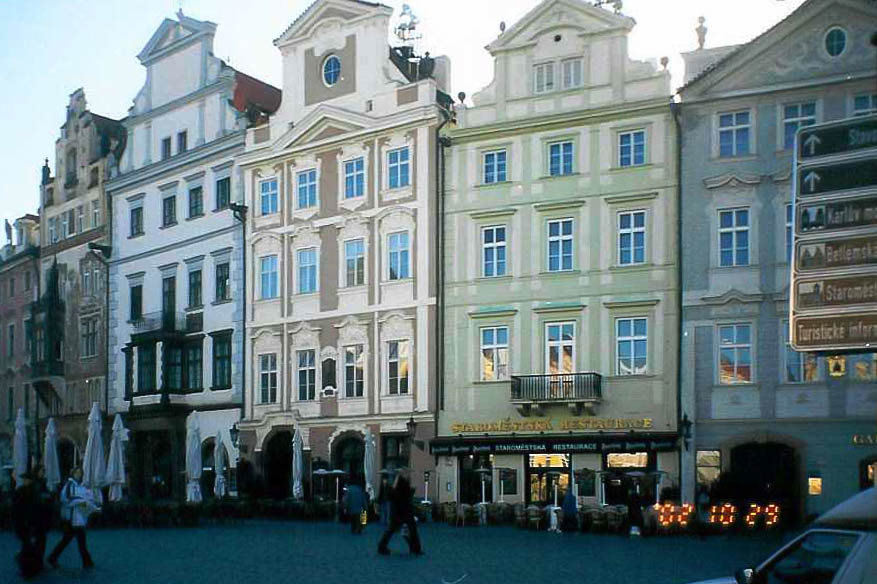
(766, 472)
(868, 473)
(347, 455)
(278, 464)
(66, 457)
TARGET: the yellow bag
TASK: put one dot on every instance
(363, 517)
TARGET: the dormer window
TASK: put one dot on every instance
(331, 70)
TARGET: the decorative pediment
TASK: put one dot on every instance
(323, 123)
(732, 179)
(352, 331)
(174, 34)
(732, 295)
(325, 11)
(397, 325)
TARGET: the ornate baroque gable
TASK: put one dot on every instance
(324, 12)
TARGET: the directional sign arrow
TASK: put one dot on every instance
(811, 143)
(811, 180)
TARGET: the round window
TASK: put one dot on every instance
(332, 70)
(835, 42)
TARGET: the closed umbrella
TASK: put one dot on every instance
(50, 458)
(19, 447)
(116, 464)
(368, 464)
(193, 459)
(297, 465)
(93, 464)
(219, 467)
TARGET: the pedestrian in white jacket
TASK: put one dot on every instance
(77, 504)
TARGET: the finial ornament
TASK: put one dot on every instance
(701, 32)
(664, 62)
(501, 26)
(618, 5)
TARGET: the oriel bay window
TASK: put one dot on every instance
(173, 367)
(354, 371)
(145, 368)
(632, 343)
(397, 367)
(494, 353)
(735, 354)
(183, 365)
(222, 360)
(193, 358)
(307, 374)
(268, 378)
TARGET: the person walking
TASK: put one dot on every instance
(77, 505)
(356, 504)
(25, 520)
(401, 513)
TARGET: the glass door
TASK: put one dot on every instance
(544, 472)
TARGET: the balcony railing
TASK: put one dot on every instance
(580, 390)
(164, 321)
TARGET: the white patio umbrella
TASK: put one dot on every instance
(219, 467)
(116, 464)
(19, 447)
(368, 464)
(94, 467)
(50, 458)
(193, 459)
(297, 465)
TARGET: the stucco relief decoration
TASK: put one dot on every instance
(353, 227)
(266, 340)
(330, 36)
(397, 326)
(737, 181)
(306, 236)
(352, 332)
(397, 219)
(305, 337)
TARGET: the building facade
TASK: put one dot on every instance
(560, 273)
(772, 425)
(176, 269)
(341, 248)
(19, 288)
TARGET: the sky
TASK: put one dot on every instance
(49, 48)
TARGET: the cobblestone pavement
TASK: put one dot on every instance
(263, 552)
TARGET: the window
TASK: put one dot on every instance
(27, 277)
(10, 404)
(196, 202)
(493, 251)
(307, 375)
(543, 78)
(796, 116)
(307, 271)
(735, 354)
(86, 282)
(306, 189)
(222, 361)
(10, 347)
(560, 244)
(398, 255)
(835, 42)
(331, 70)
(560, 158)
(800, 367)
(494, 353)
(631, 238)
(222, 289)
(864, 105)
(11, 287)
(734, 237)
(708, 465)
(814, 486)
(863, 367)
(182, 142)
(268, 269)
(70, 222)
(53, 230)
(354, 178)
(169, 296)
(223, 193)
(173, 367)
(80, 219)
(816, 557)
(194, 357)
(136, 221)
(95, 214)
(136, 302)
(631, 342)
(195, 300)
(268, 378)
(166, 148)
(632, 148)
(494, 167)
(398, 168)
(560, 347)
(354, 371)
(145, 368)
(790, 230)
(397, 367)
(268, 190)
(169, 211)
(572, 73)
(734, 134)
(354, 259)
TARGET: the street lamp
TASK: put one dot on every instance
(685, 426)
(234, 433)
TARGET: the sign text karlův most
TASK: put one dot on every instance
(834, 277)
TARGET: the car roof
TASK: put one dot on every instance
(857, 512)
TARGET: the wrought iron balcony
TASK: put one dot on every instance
(163, 321)
(579, 390)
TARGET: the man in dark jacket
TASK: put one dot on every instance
(401, 513)
(26, 519)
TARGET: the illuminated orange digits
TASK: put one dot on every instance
(752, 516)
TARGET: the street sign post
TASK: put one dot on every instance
(833, 294)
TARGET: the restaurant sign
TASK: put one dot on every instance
(865, 439)
(550, 425)
(596, 444)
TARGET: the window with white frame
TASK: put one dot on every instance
(398, 255)
(734, 237)
(53, 230)
(80, 219)
(631, 238)
(307, 270)
(64, 226)
(632, 148)
(494, 167)
(799, 367)
(865, 104)
(631, 346)
(95, 214)
(560, 347)
(397, 367)
(268, 196)
(560, 245)
(796, 115)
(268, 378)
(306, 189)
(571, 73)
(494, 353)
(136, 225)
(307, 374)
(543, 77)
(560, 158)
(735, 354)
(354, 178)
(493, 251)
(268, 270)
(398, 168)
(354, 261)
(354, 371)
(790, 229)
(734, 129)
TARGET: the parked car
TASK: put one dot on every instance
(840, 548)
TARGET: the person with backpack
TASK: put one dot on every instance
(77, 504)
